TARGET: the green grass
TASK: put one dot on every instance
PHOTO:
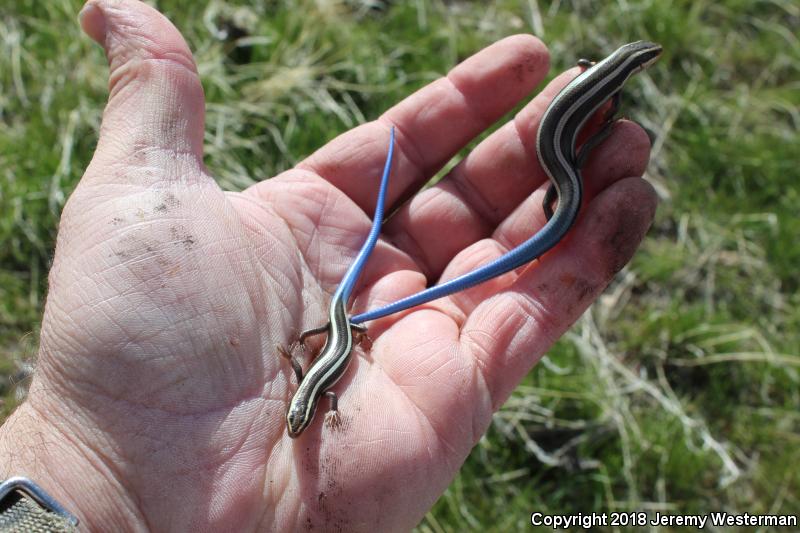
(679, 391)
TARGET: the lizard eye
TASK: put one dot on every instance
(294, 423)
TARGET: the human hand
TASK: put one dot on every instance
(158, 401)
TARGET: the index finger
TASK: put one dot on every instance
(434, 123)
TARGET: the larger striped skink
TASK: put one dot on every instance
(555, 145)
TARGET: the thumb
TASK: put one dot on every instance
(155, 110)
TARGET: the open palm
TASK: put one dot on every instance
(159, 385)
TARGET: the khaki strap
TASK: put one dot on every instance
(25, 516)
(26, 508)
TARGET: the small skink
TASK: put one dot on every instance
(332, 361)
(555, 146)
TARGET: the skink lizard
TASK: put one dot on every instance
(334, 358)
(555, 146)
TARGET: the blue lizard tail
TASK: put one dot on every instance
(351, 277)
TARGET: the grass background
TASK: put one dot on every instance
(678, 392)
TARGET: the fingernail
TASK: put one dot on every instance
(93, 22)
